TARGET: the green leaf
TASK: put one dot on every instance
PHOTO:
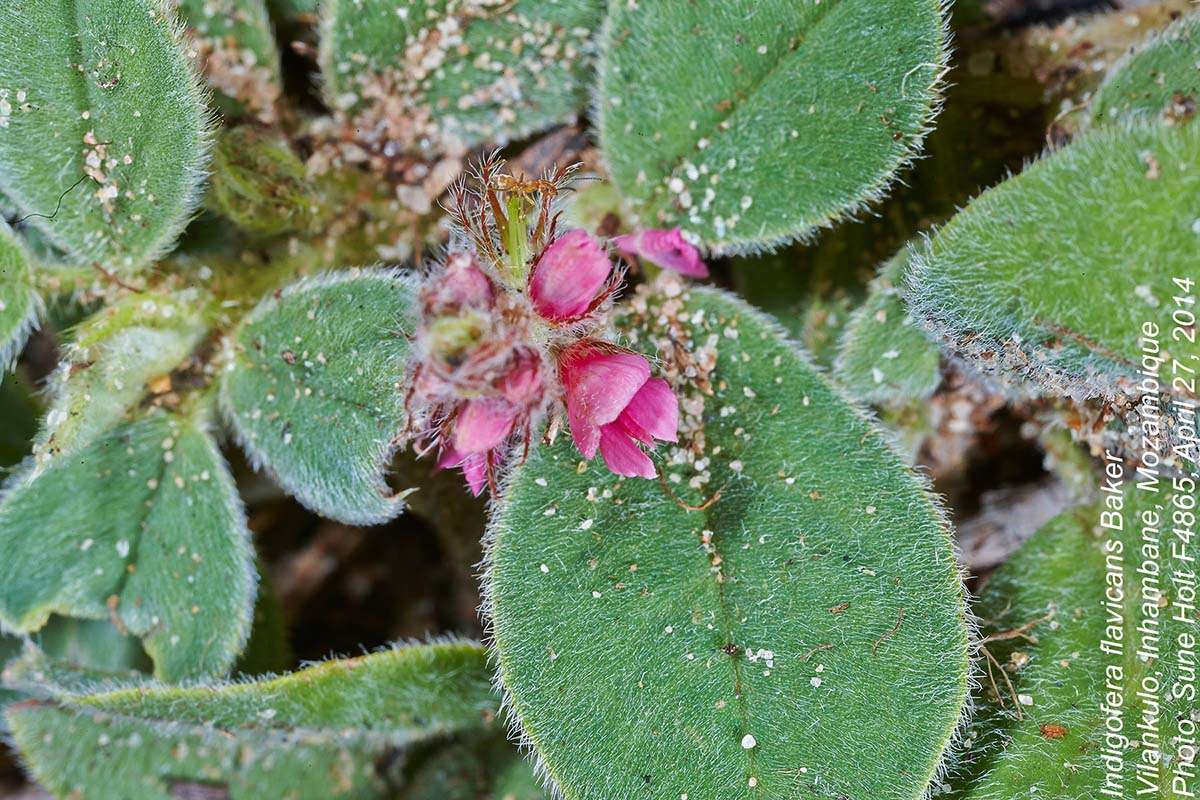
(1046, 614)
(316, 386)
(234, 46)
(359, 728)
(143, 526)
(91, 644)
(1062, 305)
(260, 184)
(884, 355)
(754, 644)
(438, 76)
(706, 109)
(103, 128)
(1159, 79)
(19, 303)
(106, 368)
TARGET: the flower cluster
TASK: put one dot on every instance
(513, 333)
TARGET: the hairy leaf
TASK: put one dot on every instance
(233, 45)
(1050, 276)
(107, 368)
(706, 109)
(884, 355)
(91, 644)
(358, 728)
(1159, 79)
(260, 184)
(143, 526)
(736, 629)
(316, 387)
(1046, 614)
(103, 128)
(19, 303)
(441, 76)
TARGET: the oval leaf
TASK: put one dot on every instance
(316, 386)
(743, 645)
(143, 526)
(1062, 305)
(103, 128)
(706, 109)
(436, 76)
(1159, 79)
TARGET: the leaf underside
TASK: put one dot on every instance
(1160, 79)
(884, 356)
(107, 366)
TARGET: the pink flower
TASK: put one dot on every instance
(474, 467)
(667, 249)
(481, 428)
(613, 404)
(568, 280)
(462, 284)
(522, 385)
(483, 425)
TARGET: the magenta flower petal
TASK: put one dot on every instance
(474, 467)
(463, 285)
(523, 382)
(483, 424)
(599, 383)
(667, 249)
(622, 455)
(449, 458)
(475, 471)
(585, 435)
(569, 276)
(653, 410)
